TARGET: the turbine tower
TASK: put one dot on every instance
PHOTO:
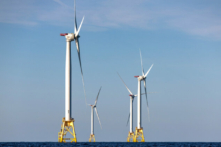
(139, 129)
(92, 137)
(130, 137)
(68, 121)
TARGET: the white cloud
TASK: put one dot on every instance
(17, 12)
(100, 15)
(197, 22)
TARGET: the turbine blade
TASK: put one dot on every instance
(128, 119)
(141, 63)
(147, 93)
(148, 71)
(151, 92)
(125, 85)
(79, 57)
(146, 98)
(75, 20)
(98, 117)
(79, 27)
(97, 97)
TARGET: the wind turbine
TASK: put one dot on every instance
(92, 137)
(68, 120)
(132, 96)
(139, 129)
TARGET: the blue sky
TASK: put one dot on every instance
(181, 39)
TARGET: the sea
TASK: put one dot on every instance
(111, 144)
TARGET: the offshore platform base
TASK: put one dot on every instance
(67, 126)
(139, 137)
(130, 137)
(92, 138)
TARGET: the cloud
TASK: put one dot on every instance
(196, 19)
(61, 3)
(196, 22)
(17, 12)
(23, 22)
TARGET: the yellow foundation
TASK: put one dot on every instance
(139, 133)
(130, 137)
(67, 126)
(92, 138)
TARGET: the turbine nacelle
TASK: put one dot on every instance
(93, 106)
(70, 36)
(132, 96)
(140, 77)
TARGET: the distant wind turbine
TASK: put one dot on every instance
(92, 136)
(139, 129)
(132, 96)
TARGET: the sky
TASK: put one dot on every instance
(181, 38)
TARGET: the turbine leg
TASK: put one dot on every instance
(131, 114)
(139, 105)
(68, 82)
(92, 120)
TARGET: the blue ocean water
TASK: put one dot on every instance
(111, 144)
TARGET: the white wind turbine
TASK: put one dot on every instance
(139, 129)
(71, 37)
(92, 137)
(132, 96)
(68, 121)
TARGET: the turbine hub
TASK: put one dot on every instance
(141, 78)
(76, 36)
